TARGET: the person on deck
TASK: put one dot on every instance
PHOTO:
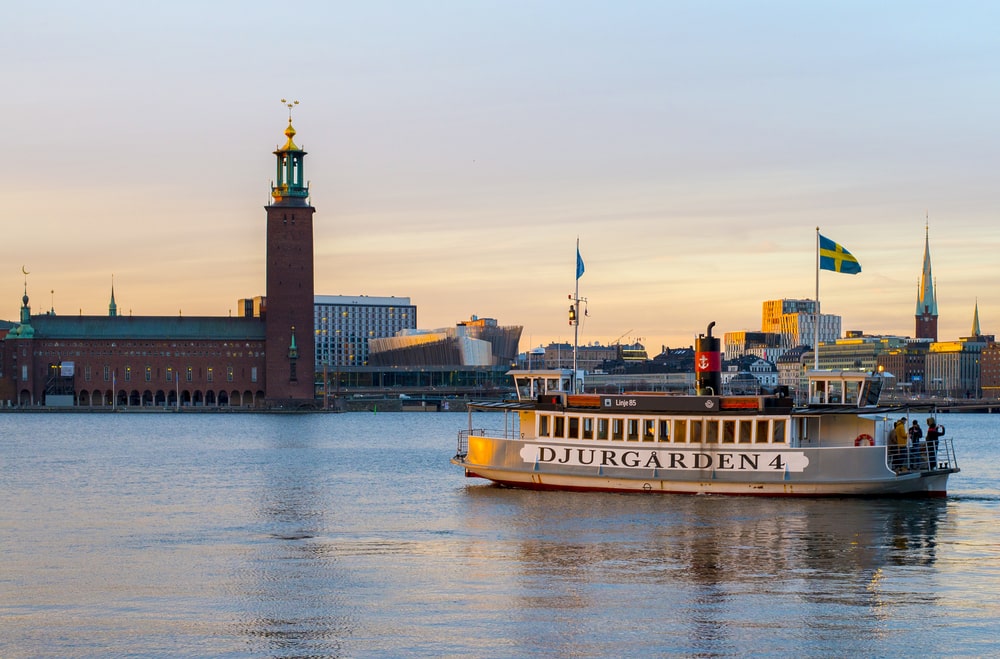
(918, 449)
(899, 458)
(934, 431)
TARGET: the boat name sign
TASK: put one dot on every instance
(769, 461)
(659, 403)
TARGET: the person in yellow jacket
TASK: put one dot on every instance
(898, 453)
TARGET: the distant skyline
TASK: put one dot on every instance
(457, 150)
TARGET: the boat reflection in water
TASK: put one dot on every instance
(713, 571)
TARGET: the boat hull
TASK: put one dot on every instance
(696, 469)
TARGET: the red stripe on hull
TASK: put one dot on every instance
(546, 487)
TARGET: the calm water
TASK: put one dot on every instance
(351, 536)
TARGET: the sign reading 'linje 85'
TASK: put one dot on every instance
(626, 403)
(664, 459)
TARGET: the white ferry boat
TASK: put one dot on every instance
(839, 444)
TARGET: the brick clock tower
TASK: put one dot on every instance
(927, 310)
(288, 311)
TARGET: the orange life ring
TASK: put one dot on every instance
(864, 439)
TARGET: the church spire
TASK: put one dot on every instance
(976, 331)
(926, 300)
(112, 308)
(927, 310)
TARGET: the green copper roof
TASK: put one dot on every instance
(148, 327)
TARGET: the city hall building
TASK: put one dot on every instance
(263, 360)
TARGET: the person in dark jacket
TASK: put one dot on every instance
(917, 449)
(934, 431)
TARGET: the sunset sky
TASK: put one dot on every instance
(457, 150)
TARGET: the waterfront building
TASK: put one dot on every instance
(261, 358)
(764, 345)
(857, 351)
(907, 364)
(475, 342)
(791, 367)
(989, 371)
(953, 368)
(96, 361)
(748, 375)
(589, 358)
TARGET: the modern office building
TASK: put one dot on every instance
(345, 326)
(795, 322)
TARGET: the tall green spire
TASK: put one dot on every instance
(112, 308)
(926, 300)
(976, 331)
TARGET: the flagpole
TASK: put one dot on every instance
(816, 318)
(576, 302)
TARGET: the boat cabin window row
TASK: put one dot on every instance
(679, 431)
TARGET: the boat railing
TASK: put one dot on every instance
(923, 456)
(463, 437)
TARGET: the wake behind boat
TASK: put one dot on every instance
(839, 444)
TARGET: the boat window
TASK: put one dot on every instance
(588, 427)
(746, 431)
(617, 429)
(559, 429)
(648, 430)
(871, 391)
(574, 427)
(680, 430)
(728, 432)
(697, 430)
(851, 392)
(836, 393)
(664, 430)
(712, 432)
(818, 391)
(543, 425)
(633, 430)
(778, 431)
(602, 429)
(762, 435)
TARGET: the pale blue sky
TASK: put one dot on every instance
(457, 150)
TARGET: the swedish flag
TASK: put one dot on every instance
(834, 257)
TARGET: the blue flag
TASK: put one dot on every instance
(834, 257)
(579, 263)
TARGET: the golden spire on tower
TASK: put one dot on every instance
(290, 131)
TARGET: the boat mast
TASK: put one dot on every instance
(574, 312)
